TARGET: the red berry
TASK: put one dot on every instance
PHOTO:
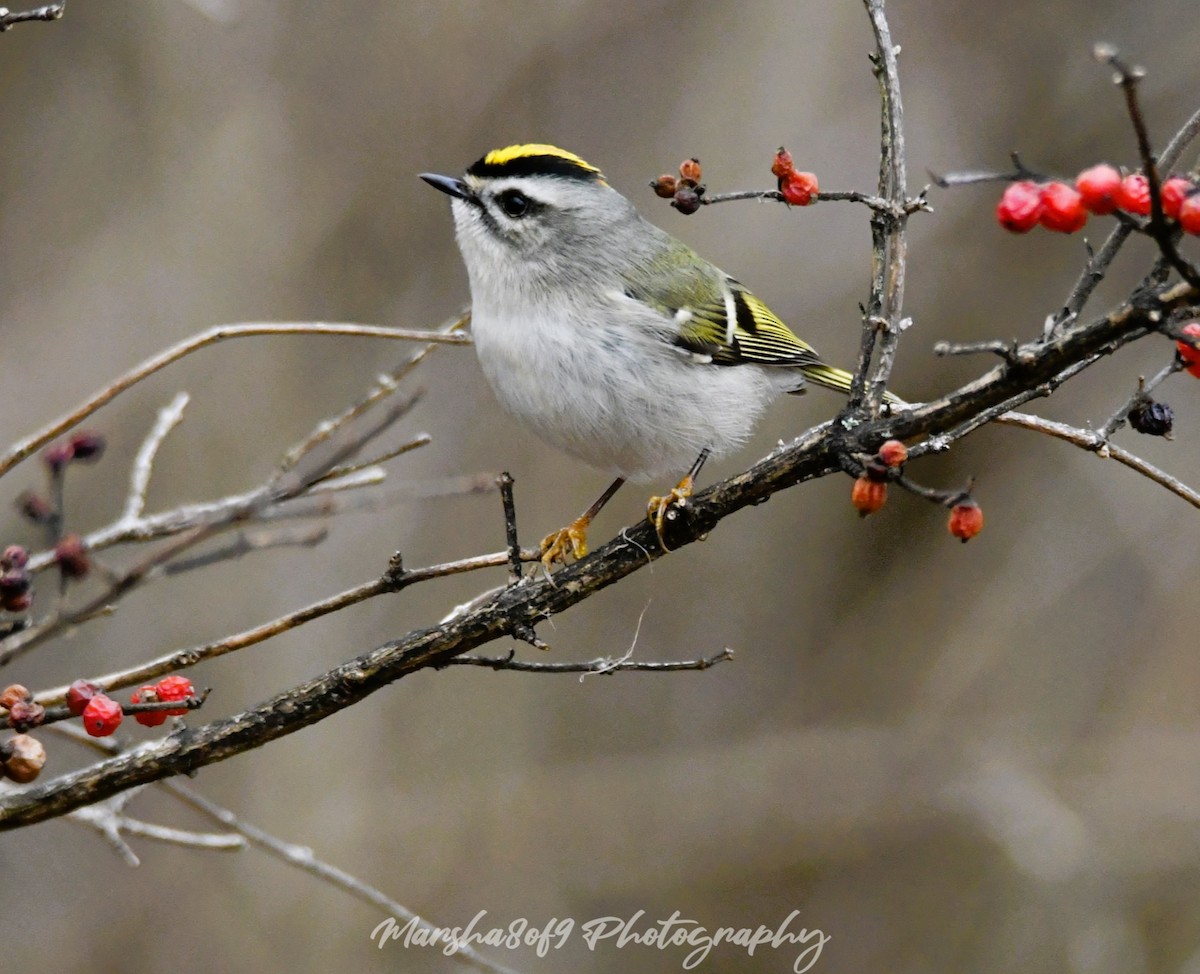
(1020, 206)
(1187, 352)
(1062, 208)
(1174, 191)
(781, 165)
(149, 718)
(1189, 215)
(175, 688)
(1098, 187)
(78, 695)
(868, 495)
(102, 716)
(966, 520)
(799, 188)
(893, 453)
(1134, 194)
(664, 186)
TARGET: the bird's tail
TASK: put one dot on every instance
(839, 381)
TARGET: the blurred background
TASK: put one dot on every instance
(977, 757)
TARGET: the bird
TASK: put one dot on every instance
(608, 337)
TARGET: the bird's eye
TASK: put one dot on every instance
(514, 203)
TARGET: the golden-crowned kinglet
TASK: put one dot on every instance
(607, 336)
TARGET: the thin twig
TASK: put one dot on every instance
(51, 11)
(303, 858)
(143, 464)
(23, 448)
(184, 658)
(888, 232)
(1093, 442)
(1118, 419)
(601, 664)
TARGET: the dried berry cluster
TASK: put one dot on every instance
(1100, 190)
(683, 191)
(869, 492)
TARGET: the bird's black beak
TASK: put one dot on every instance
(450, 186)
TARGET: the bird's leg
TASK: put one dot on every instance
(656, 508)
(573, 537)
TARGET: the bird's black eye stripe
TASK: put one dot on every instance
(515, 203)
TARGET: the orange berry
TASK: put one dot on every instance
(966, 520)
(664, 186)
(689, 170)
(781, 165)
(868, 495)
(799, 188)
(893, 453)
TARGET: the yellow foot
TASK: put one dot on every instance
(657, 507)
(571, 540)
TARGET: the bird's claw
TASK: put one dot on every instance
(570, 541)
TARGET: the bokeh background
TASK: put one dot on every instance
(946, 757)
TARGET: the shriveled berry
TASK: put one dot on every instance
(15, 581)
(102, 715)
(1020, 206)
(79, 693)
(1062, 208)
(57, 456)
(150, 718)
(966, 520)
(1098, 187)
(35, 507)
(781, 165)
(22, 758)
(799, 188)
(868, 495)
(14, 557)
(1134, 194)
(1174, 191)
(13, 694)
(16, 603)
(1189, 353)
(175, 688)
(87, 446)
(25, 714)
(1152, 418)
(1189, 215)
(664, 186)
(689, 171)
(72, 556)
(686, 200)
(893, 453)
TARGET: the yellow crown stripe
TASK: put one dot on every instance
(502, 157)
